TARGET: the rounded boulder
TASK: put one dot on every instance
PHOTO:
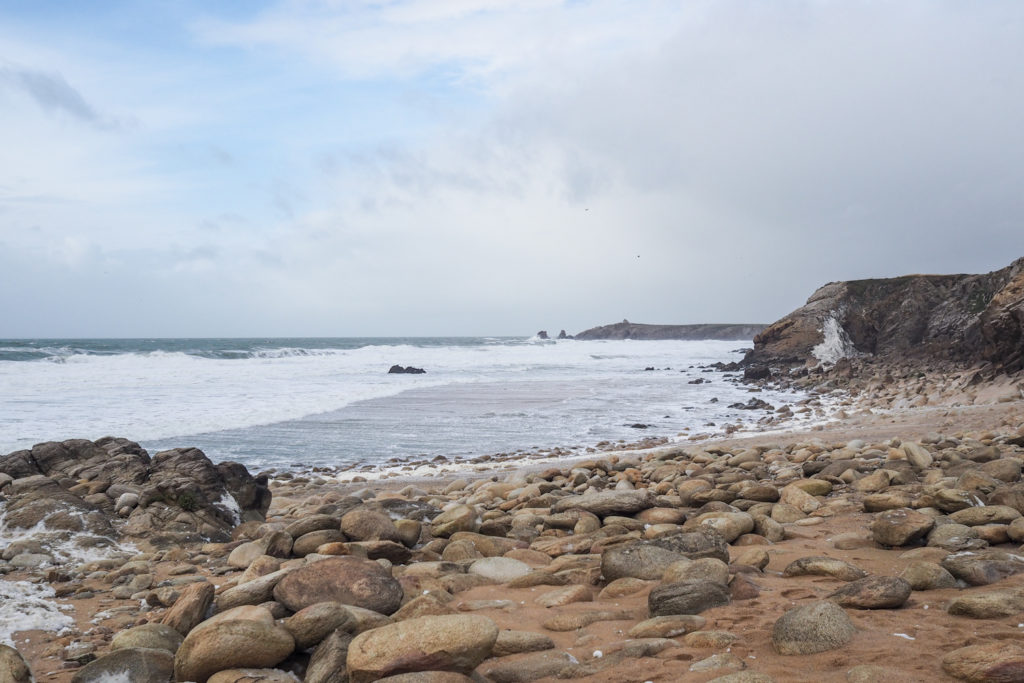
(231, 644)
(348, 580)
(447, 643)
(816, 627)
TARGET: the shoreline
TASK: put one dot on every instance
(904, 643)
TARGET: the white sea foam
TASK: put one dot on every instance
(528, 393)
(65, 547)
(30, 608)
(36, 609)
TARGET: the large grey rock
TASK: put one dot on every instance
(500, 569)
(327, 665)
(311, 523)
(695, 544)
(457, 518)
(983, 567)
(135, 664)
(231, 644)
(348, 580)
(687, 597)
(731, 525)
(986, 514)
(254, 592)
(154, 636)
(955, 538)
(873, 592)
(899, 527)
(180, 492)
(640, 560)
(312, 624)
(604, 503)
(999, 662)
(13, 667)
(990, 605)
(450, 643)
(518, 642)
(249, 675)
(190, 607)
(308, 543)
(530, 666)
(811, 628)
(367, 524)
(824, 566)
(926, 576)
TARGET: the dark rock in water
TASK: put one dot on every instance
(543, 334)
(752, 404)
(563, 335)
(756, 372)
(639, 425)
(76, 484)
(649, 368)
(699, 380)
(399, 370)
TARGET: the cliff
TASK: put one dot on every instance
(960, 319)
(628, 330)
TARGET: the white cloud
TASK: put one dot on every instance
(479, 41)
(475, 166)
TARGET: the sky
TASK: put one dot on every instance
(493, 167)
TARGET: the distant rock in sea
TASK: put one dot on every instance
(958, 319)
(628, 330)
(399, 370)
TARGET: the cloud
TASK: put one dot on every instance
(477, 42)
(764, 148)
(54, 94)
(498, 166)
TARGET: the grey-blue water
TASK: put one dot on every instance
(331, 402)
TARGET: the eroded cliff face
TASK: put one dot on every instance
(962, 319)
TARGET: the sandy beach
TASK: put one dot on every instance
(570, 619)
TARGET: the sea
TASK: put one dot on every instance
(303, 403)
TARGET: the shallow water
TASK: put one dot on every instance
(286, 402)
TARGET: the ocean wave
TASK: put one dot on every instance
(161, 389)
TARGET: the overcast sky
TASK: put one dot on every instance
(461, 167)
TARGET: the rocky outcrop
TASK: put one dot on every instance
(85, 486)
(410, 370)
(628, 330)
(922, 319)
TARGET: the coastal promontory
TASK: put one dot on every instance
(628, 330)
(918, 319)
